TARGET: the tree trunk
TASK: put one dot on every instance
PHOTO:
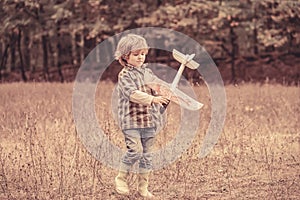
(1, 49)
(255, 41)
(4, 60)
(52, 53)
(74, 57)
(59, 53)
(26, 43)
(234, 48)
(255, 33)
(13, 52)
(1, 56)
(22, 68)
(79, 47)
(45, 57)
(291, 38)
(88, 44)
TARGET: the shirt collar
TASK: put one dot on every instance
(130, 67)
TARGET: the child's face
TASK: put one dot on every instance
(137, 58)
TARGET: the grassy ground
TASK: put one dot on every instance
(256, 157)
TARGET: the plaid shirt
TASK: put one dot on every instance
(135, 115)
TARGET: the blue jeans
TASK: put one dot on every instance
(139, 144)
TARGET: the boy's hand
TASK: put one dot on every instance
(160, 100)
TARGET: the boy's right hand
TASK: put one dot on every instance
(160, 100)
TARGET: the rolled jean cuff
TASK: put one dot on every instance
(124, 167)
(144, 170)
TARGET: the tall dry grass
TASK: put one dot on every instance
(256, 157)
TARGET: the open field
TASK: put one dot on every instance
(256, 157)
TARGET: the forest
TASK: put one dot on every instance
(249, 40)
(254, 44)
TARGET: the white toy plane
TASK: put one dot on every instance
(171, 91)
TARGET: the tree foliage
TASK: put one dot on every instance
(54, 35)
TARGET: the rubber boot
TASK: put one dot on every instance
(121, 183)
(143, 182)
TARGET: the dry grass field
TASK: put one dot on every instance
(257, 155)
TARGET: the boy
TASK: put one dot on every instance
(138, 112)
